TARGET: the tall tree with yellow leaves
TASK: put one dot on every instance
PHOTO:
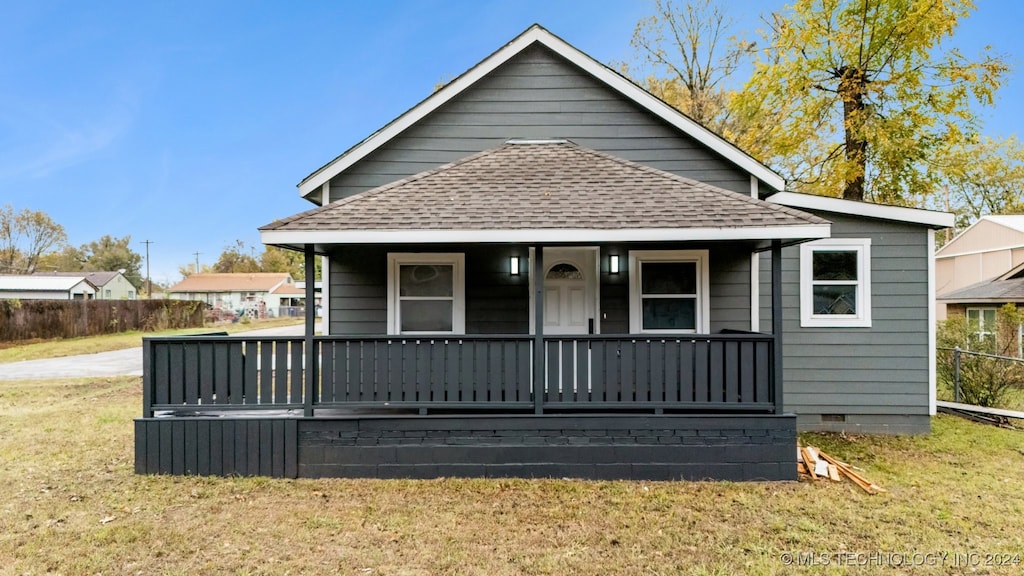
(860, 98)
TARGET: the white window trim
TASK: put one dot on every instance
(458, 262)
(862, 319)
(978, 330)
(703, 308)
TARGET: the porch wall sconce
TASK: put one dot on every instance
(613, 264)
(513, 265)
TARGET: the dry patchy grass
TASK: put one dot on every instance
(72, 505)
(35, 350)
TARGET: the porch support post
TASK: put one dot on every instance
(539, 362)
(777, 322)
(311, 354)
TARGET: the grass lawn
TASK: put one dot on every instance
(18, 351)
(72, 505)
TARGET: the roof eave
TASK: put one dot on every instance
(315, 181)
(930, 218)
(295, 238)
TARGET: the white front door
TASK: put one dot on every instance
(570, 291)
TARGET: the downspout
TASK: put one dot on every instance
(311, 354)
(777, 322)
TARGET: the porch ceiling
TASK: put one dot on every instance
(544, 191)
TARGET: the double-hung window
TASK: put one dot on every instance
(426, 293)
(982, 322)
(835, 282)
(668, 291)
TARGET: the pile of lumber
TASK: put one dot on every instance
(813, 464)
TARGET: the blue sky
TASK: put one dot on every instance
(189, 124)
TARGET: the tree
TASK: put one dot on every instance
(67, 259)
(109, 254)
(190, 269)
(859, 97)
(234, 259)
(689, 58)
(24, 237)
(984, 177)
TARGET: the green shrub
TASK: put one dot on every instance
(984, 381)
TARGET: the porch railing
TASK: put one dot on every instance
(728, 372)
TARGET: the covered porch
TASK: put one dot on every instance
(568, 341)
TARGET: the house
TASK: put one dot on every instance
(254, 293)
(979, 303)
(543, 270)
(980, 270)
(13, 287)
(109, 285)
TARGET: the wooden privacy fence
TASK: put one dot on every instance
(599, 373)
(31, 319)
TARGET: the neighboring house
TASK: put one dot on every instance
(980, 302)
(286, 300)
(46, 288)
(593, 284)
(988, 249)
(253, 293)
(109, 285)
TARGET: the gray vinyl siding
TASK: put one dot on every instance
(498, 303)
(358, 291)
(873, 377)
(730, 288)
(537, 94)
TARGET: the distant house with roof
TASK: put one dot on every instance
(981, 270)
(109, 285)
(22, 287)
(257, 294)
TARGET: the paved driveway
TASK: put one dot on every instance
(126, 362)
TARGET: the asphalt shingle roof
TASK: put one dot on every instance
(230, 282)
(549, 185)
(1003, 290)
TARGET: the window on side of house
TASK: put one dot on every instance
(982, 322)
(835, 283)
(668, 291)
(426, 293)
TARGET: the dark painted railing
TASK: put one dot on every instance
(202, 373)
(487, 372)
(731, 372)
(711, 372)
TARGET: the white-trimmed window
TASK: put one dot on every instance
(835, 283)
(983, 322)
(668, 291)
(426, 293)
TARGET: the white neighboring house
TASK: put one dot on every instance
(46, 288)
(257, 294)
(109, 285)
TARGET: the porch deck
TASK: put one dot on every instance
(626, 406)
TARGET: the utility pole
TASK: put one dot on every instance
(149, 279)
(197, 261)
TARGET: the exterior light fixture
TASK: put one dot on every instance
(613, 264)
(513, 265)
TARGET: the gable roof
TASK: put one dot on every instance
(231, 282)
(43, 283)
(1014, 225)
(930, 218)
(98, 279)
(1015, 272)
(311, 185)
(1015, 222)
(534, 191)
